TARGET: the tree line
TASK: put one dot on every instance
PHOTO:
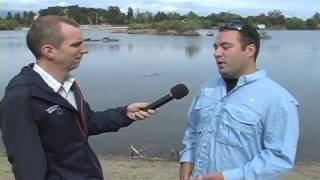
(160, 20)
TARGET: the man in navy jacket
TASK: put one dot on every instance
(45, 121)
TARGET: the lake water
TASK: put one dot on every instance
(145, 67)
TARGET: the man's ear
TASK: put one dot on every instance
(251, 50)
(48, 51)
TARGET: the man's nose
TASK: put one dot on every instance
(84, 49)
(218, 52)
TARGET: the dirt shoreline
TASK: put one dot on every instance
(126, 168)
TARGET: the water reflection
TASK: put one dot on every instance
(143, 68)
(114, 47)
(192, 51)
(102, 45)
(130, 47)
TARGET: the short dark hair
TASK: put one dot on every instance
(47, 30)
(248, 34)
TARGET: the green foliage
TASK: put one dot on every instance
(162, 21)
(206, 24)
(311, 23)
(140, 26)
(114, 15)
(17, 17)
(251, 20)
(9, 16)
(160, 16)
(174, 16)
(9, 24)
(316, 17)
(130, 13)
(144, 17)
(225, 17)
(294, 23)
(275, 13)
(191, 16)
(163, 26)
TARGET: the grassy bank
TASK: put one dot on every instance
(124, 168)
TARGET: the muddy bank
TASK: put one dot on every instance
(126, 168)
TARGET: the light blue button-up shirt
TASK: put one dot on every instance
(251, 132)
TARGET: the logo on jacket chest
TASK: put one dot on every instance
(55, 108)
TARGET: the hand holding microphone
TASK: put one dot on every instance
(177, 92)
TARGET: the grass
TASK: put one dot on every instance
(125, 168)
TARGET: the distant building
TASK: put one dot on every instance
(261, 26)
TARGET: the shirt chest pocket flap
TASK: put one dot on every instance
(238, 122)
(204, 107)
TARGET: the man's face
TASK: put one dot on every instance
(71, 50)
(231, 59)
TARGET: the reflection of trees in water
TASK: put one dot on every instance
(114, 47)
(130, 47)
(99, 45)
(191, 51)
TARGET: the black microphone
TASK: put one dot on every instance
(176, 92)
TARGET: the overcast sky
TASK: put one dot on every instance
(298, 8)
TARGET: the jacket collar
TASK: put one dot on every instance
(40, 89)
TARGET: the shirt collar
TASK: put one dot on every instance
(53, 83)
(245, 79)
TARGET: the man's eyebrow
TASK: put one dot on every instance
(77, 43)
(226, 43)
(222, 44)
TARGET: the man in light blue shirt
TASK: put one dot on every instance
(242, 125)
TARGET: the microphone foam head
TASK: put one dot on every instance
(179, 91)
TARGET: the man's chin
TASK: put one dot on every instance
(225, 74)
(75, 66)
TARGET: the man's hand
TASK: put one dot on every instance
(185, 170)
(135, 112)
(211, 176)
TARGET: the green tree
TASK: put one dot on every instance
(17, 17)
(173, 16)
(114, 15)
(213, 18)
(274, 13)
(160, 16)
(56, 10)
(316, 17)
(225, 17)
(263, 19)
(9, 24)
(144, 17)
(251, 20)
(24, 18)
(275, 17)
(191, 16)
(294, 23)
(130, 13)
(113, 11)
(9, 16)
(311, 23)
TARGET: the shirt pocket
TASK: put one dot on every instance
(204, 108)
(238, 124)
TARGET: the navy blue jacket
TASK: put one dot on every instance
(46, 137)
